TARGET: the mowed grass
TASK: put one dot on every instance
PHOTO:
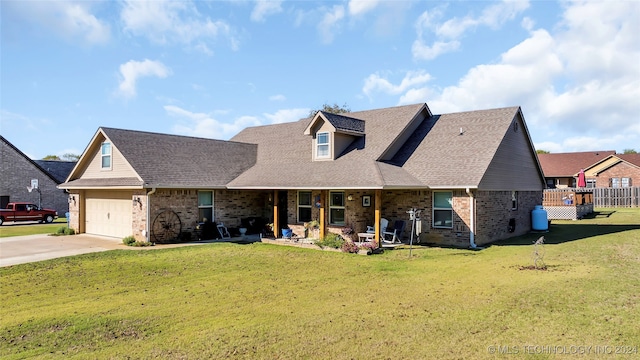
(31, 228)
(264, 301)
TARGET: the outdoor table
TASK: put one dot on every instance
(366, 236)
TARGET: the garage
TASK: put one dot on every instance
(109, 213)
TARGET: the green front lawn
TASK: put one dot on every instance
(31, 228)
(277, 302)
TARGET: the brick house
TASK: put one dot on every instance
(615, 171)
(18, 170)
(475, 175)
(561, 169)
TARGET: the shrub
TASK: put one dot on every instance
(331, 240)
(349, 247)
(129, 240)
(63, 230)
(142, 244)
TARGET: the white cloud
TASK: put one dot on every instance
(132, 70)
(448, 33)
(287, 115)
(68, 19)
(359, 7)
(425, 52)
(278, 97)
(376, 83)
(265, 8)
(168, 22)
(578, 85)
(205, 125)
(330, 23)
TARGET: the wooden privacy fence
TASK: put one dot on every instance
(616, 197)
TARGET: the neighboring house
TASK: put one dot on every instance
(615, 171)
(561, 169)
(475, 176)
(18, 170)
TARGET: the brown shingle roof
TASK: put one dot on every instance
(569, 164)
(285, 154)
(440, 157)
(630, 158)
(182, 161)
(345, 123)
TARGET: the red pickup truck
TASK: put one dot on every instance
(22, 211)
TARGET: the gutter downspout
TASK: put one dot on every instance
(148, 231)
(472, 225)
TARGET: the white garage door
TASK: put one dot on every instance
(109, 213)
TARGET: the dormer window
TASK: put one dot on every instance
(332, 134)
(322, 145)
(105, 151)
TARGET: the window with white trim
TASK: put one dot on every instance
(105, 155)
(625, 182)
(205, 205)
(443, 209)
(304, 206)
(322, 145)
(615, 182)
(336, 208)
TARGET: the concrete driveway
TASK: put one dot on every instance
(31, 248)
(24, 249)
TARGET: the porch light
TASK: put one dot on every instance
(137, 200)
(72, 199)
(350, 197)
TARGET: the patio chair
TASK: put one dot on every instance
(224, 233)
(383, 226)
(393, 235)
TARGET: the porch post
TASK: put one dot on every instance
(377, 204)
(323, 195)
(276, 221)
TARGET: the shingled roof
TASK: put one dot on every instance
(285, 154)
(58, 169)
(394, 153)
(162, 160)
(402, 147)
(569, 164)
(345, 123)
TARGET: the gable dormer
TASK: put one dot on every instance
(332, 134)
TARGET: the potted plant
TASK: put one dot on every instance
(312, 225)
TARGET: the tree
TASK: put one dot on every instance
(70, 157)
(540, 151)
(65, 157)
(629, 151)
(334, 109)
(52, 157)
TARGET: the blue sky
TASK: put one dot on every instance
(209, 69)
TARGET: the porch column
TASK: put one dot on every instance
(377, 204)
(276, 221)
(323, 195)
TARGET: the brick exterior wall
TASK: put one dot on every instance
(619, 170)
(17, 173)
(493, 212)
